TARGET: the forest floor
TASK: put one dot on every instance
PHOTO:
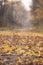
(21, 48)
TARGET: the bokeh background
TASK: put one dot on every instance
(13, 15)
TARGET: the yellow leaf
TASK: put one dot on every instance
(1, 51)
(13, 47)
(8, 53)
(20, 52)
(7, 48)
(38, 53)
(20, 60)
(18, 48)
(17, 52)
(26, 47)
(29, 53)
(35, 60)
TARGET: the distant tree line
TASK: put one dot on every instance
(11, 14)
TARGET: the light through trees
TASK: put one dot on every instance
(27, 4)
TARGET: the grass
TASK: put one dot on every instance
(40, 29)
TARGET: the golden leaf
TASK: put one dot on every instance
(7, 48)
(26, 47)
(8, 53)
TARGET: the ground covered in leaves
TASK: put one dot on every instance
(21, 48)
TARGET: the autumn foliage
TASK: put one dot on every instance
(21, 47)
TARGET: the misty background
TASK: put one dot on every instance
(13, 15)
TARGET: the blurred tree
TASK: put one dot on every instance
(2, 10)
(13, 13)
(37, 12)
